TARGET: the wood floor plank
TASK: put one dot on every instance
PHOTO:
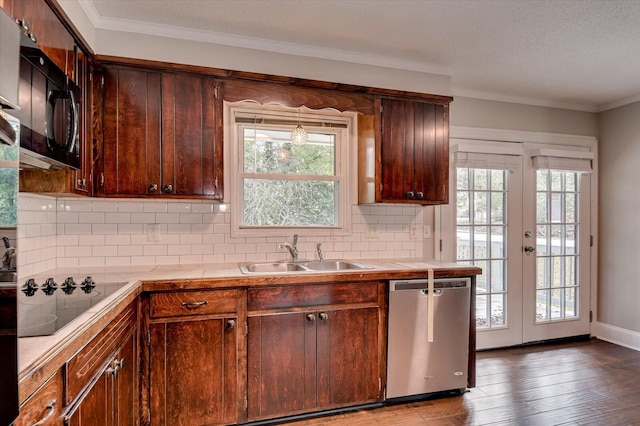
(583, 383)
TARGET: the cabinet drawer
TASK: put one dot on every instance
(46, 402)
(194, 303)
(311, 295)
(89, 361)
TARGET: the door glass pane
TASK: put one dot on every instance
(556, 245)
(481, 231)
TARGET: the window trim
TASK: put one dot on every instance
(346, 145)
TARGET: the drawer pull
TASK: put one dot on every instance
(51, 409)
(193, 305)
(231, 324)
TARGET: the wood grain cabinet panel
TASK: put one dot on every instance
(45, 405)
(162, 134)
(194, 372)
(408, 162)
(111, 399)
(52, 36)
(304, 360)
(131, 141)
(194, 367)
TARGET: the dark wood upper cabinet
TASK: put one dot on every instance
(52, 36)
(162, 134)
(404, 155)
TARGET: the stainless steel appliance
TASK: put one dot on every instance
(49, 111)
(45, 305)
(416, 365)
(9, 145)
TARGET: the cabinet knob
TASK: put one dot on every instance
(324, 316)
(167, 189)
(311, 317)
(231, 324)
(419, 195)
(153, 187)
(410, 194)
(24, 24)
(51, 409)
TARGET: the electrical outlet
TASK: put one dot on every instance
(153, 233)
(413, 232)
(426, 233)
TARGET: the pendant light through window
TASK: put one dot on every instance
(299, 135)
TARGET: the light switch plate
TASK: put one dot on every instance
(426, 232)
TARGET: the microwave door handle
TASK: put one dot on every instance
(76, 122)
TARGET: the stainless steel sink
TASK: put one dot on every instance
(335, 265)
(8, 276)
(262, 268)
(301, 267)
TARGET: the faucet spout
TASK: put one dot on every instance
(320, 254)
(293, 248)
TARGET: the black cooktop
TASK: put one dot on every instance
(44, 308)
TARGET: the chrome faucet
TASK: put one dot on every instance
(9, 254)
(293, 248)
(320, 254)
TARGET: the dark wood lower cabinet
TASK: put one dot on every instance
(194, 372)
(112, 398)
(312, 360)
(195, 368)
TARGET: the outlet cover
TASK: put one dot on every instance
(426, 233)
(153, 233)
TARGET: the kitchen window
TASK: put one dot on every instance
(279, 185)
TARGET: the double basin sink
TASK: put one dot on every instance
(302, 266)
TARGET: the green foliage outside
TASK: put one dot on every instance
(8, 187)
(271, 198)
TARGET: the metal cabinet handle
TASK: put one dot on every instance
(51, 410)
(194, 305)
(153, 187)
(410, 194)
(419, 195)
(167, 188)
(231, 324)
(311, 317)
(324, 316)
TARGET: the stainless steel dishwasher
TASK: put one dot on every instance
(421, 360)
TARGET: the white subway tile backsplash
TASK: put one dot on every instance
(113, 232)
(143, 218)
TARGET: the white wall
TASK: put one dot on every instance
(619, 257)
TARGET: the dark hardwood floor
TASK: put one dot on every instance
(572, 383)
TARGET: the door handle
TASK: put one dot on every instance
(529, 249)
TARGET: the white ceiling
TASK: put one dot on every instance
(578, 54)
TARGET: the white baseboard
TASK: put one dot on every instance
(619, 336)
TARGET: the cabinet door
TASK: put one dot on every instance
(348, 364)
(190, 132)
(131, 145)
(96, 407)
(125, 384)
(52, 37)
(281, 364)
(194, 372)
(413, 152)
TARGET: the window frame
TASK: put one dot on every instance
(234, 158)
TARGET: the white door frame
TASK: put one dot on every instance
(444, 217)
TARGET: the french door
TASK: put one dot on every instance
(525, 221)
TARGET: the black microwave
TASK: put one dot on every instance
(49, 111)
